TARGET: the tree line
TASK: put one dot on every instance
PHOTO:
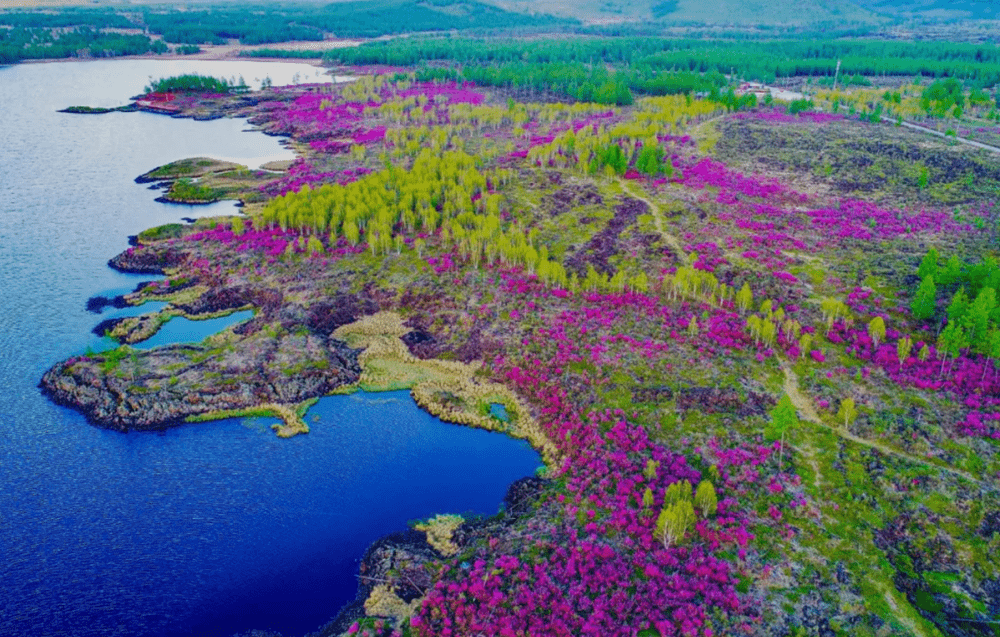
(763, 60)
(26, 43)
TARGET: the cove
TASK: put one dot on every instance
(184, 330)
(205, 529)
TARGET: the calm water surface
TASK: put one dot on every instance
(207, 529)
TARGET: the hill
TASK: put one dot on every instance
(768, 13)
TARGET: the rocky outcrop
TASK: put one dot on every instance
(146, 390)
(604, 244)
(400, 562)
(144, 260)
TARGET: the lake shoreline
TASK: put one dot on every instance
(341, 344)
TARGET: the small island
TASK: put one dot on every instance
(755, 343)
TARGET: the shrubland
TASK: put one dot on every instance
(757, 415)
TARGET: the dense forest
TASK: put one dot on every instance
(26, 43)
(762, 59)
(75, 32)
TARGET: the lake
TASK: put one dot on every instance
(208, 529)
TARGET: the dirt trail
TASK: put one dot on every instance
(805, 407)
(806, 410)
(931, 131)
(671, 240)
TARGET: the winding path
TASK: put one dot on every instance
(808, 412)
(671, 240)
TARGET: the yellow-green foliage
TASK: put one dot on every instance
(762, 329)
(903, 348)
(489, 116)
(383, 602)
(693, 283)
(672, 113)
(706, 499)
(380, 200)
(832, 310)
(745, 297)
(678, 491)
(848, 412)
(876, 330)
(805, 342)
(652, 117)
(650, 471)
(674, 521)
(864, 100)
(677, 514)
(291, 415)
(647, 498)
(440, 530)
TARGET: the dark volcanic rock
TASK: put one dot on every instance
(220, 299)
(148, 260)
(604, 244)
(96, 304)
(146, 390)
(325, 317)
(564, 199)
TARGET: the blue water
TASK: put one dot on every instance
(206, 529)
(499, 411)
(182, 330)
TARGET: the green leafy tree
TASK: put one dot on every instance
(650, 159)
(744, 298)
(992, 348)
(929, 264)
(674, 520)
(783, 417)
(977, 319)
(903, 348)
(951, 341)
(706, 499)
(876, 330)
(924, 304)
(952, 271)
(848, 412)
(958, 307)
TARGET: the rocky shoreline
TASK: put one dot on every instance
(243, 368)
(398, 562)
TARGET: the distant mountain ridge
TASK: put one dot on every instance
(761, 12)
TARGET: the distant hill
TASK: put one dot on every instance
(760, 12)
(938, 9)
